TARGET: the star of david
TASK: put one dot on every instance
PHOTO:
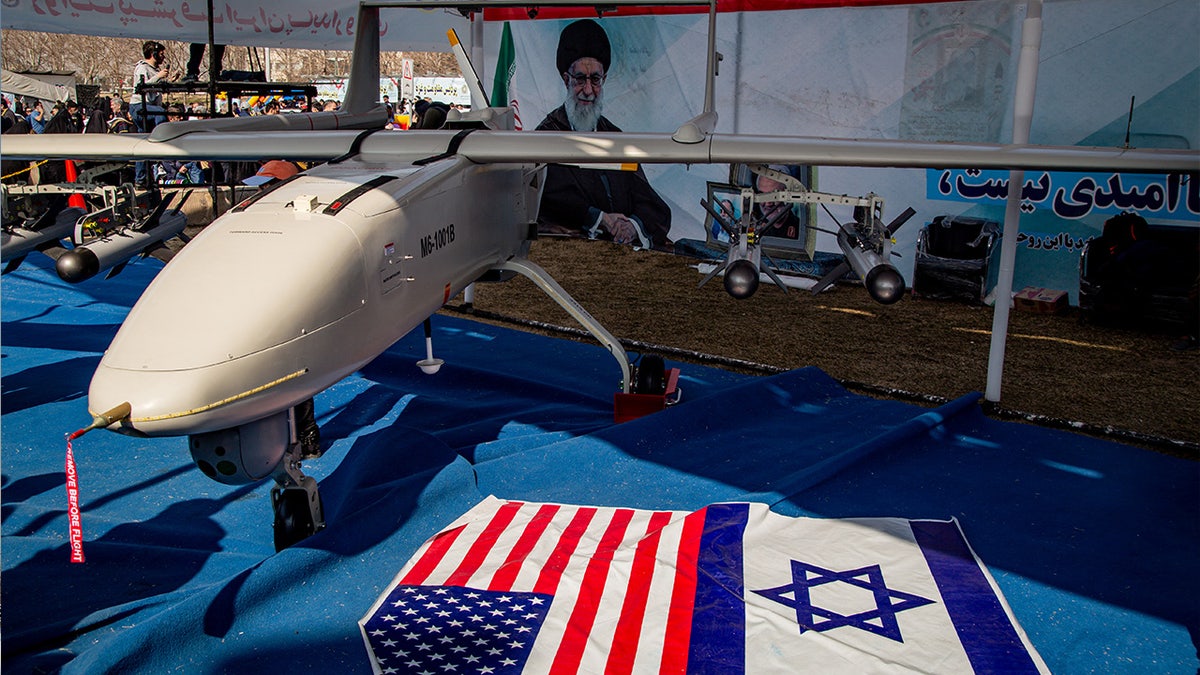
(881, 620)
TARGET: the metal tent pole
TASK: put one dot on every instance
(1027, 71)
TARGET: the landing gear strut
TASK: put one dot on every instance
(550, 287)
(272, 446)
(299, 513)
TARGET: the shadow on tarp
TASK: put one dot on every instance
(50, 383)
(102, 294)
(36, 332)
(299, 607)
(466, 405)
(129, 568)
(1087, 517)
(1075, 513)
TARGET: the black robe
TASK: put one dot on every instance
(573, 197)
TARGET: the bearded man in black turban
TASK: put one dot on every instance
(595, 203)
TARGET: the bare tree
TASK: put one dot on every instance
(109, 62)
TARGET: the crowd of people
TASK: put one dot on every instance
(146, 108)
(612, 205)
(114, 115)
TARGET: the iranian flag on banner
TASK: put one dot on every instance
(548, 588)
(506, 66)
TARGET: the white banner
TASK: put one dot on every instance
(303, 24)
(451, 90)
(923, 71)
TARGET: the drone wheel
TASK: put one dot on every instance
(651, 375)
(294, 520)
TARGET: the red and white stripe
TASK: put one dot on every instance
(621, 579)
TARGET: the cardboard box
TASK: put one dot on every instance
(1041, 300)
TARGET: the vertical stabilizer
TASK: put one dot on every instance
(362, 90)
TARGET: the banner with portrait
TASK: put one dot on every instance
(943, 71)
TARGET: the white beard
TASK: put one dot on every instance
(586, 119)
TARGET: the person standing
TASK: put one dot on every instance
(151, 69)
(37, 118)
(146, 106)
(181, 171)
(120, 123)
(7, 117)
(97, 122)
(196, 57)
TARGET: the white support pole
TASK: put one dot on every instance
(1027, 71)
(478, 57)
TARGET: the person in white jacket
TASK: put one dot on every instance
(146, 107)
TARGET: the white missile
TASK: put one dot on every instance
(117, 247)
(881, 279)
(16, 242)
(866, 253)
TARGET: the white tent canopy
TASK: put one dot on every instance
(23, 85)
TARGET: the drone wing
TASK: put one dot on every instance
(488, 146)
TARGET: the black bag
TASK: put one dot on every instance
(243, 76)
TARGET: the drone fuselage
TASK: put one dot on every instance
(298, 287)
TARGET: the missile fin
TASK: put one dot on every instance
(898, 221)
(13, 264)
(834, 274)
(155, 216)
(53, 249)
(116, 270)
(715, 271)
(159, 251)
(774, 277)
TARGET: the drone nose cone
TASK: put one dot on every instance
(741, 279)
(885, 284)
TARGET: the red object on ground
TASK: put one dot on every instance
(76, 199)
(632, 406)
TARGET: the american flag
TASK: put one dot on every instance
(440, 629)
(550, 588)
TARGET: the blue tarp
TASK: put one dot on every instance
(1093, 543)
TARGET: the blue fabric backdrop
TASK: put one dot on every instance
(1093, 543)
